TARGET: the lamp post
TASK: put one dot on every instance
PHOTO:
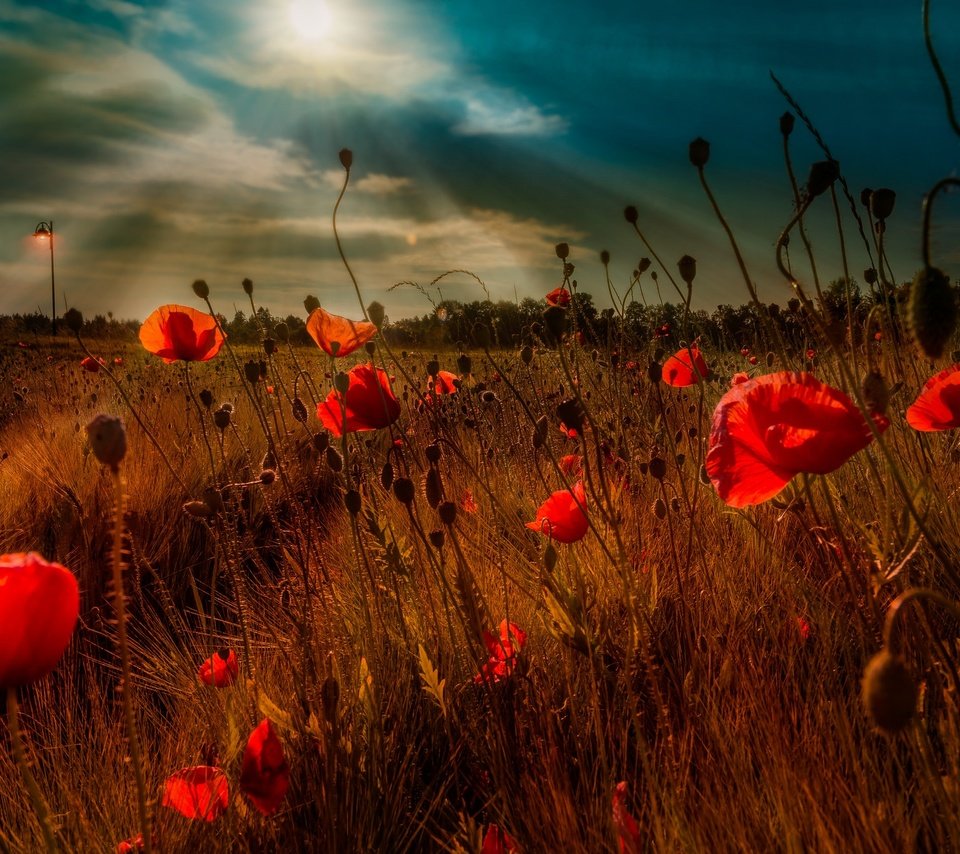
(44, 231)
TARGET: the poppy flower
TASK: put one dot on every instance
(468, 502)
(503, 652)
(178, 333)
(91, 365)
(739, 377)
(370, 403)
(570, 465)
(773, 427)
(628, 831)
(264, 775)
(128, 846)
(497, 841)
(938, 405)
(678, 370)
(811, 354)
(220, 669)
(338, 336)
(558, 296)
(39, 604)
(446, 383)
(118, 361)
(560, 517)
(199, 793)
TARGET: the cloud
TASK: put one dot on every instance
(373, 183)
(503, 113)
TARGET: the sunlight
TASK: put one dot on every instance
(310, 20)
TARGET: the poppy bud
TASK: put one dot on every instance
(865, 194)
(447, 512)
(311, 304)
(206, 398)
(644, 265)
(786, 123)
(267, 476)
(197, 509)
(550, 557)
(881, 203)
(562, 250)
(201, 289)
(660, 509)
(433, 368)
(269, 346)
(436, 539)
(247, 286)
(433, 452)
(481, 335)
(555, 321)
(526, 354)
(433, 488)
(222, 418)
(570, 412)
(540, 431)
(352, 501)
(655, 372)
(931, 311)
(386, 476)
(604, 257)
(464, 364)
(875, 392)
(403, 490)
(299, 411)
(251, 370)
(568, 269)
(688, 269)
(699, 152)
(321, 440)
(282, 331)
(334, 460)
(376, 313)
(822, 175)
(658, 468)
(870, 276)
(73, 320)
(630, 214)
(889, 692)
(108, 439)
(341, 382)
(346, 158)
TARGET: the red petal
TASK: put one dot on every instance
(560, 516)
(199, 793)
(938, 406)
(265, 775)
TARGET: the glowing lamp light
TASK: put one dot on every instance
(42, 231)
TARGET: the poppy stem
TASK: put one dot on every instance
(119, 604)
(36, 796)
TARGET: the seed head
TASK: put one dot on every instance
(658, 468)
(299, 411)
(74, 320)
(346, 158)
(688, 269)
(433, 488)
(247, 285)
(403, 490)
(555, 322)
(386, 475)
(352, 501)
(201, 288)
(377, 313)
(699, 152)
(932, 311)
(334, 460)
(562, 250)
(822, 175)
(875, 392)
(630, 214)
(222, 418)
(206, 398)
(786, 123)
(311, 304)
(604, 257)
(282, 332)
(447, 512)
(889, 692)
(464, 364)
(882, 202)
(108, 439)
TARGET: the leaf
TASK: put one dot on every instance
(432, 683)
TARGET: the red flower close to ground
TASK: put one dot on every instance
(628, 831)
(88, 363)
(570, 465)
(128, 846)
(503, 652)
(338, 336)
(938, 405)
(560, 517)
(776, 426)
(370, 403)
(497, 841)
(678, 370)
(199, 793)
(558, 296)
(39, 604)
(220, 670)
(468, 502)
(265, 775)
(739, 377)
(118, 361)
(178, 333)
(445, 383)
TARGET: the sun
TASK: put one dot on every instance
(310, 20)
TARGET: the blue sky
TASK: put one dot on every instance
(176, 140)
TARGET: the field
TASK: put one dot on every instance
(681, 674)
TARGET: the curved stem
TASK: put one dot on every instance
(938, 69)
(36, 797)
(890, 641)
(937, 188)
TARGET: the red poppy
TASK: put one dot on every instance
(570, 465)
(497, 841)
(938, 405)
(468, 502)
(503, 652)
(560, 517)
(220, 669)
(88, 363)
(628, 831)
(199, 793)
(130, 845)
(739, 377)
(23, 345)
(559, 296)
(744, 351)
(118, 361)
(811, 354)
(264, 775)
(338, 336)
(773, 427)
(678, 370)
(446, 383)
(180, 333)
(752, 360)
(370, 403)
(39, 604)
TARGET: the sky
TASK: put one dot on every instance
(171, 140)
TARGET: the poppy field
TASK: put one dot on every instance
(634, 580)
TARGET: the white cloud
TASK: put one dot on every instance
(374, 183)
(502, 113)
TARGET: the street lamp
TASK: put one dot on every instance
(44, 231)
